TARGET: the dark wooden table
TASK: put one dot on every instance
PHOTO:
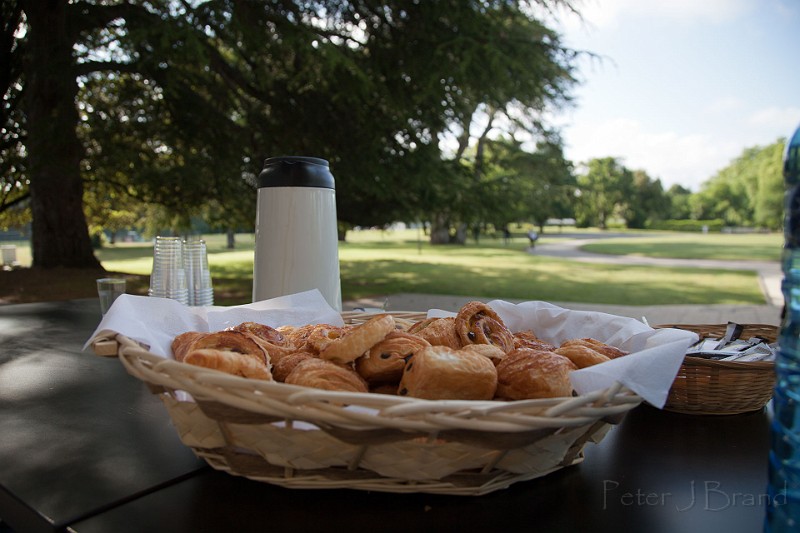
(85, 447)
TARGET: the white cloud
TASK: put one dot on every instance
(686, 160)
(606, 14)
(776, 118)
(725, 105)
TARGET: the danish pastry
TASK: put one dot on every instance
(477, 323)
(358, 339)
(527, 374)
(442, 373)
(269, 338)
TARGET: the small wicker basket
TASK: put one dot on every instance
(307, 438)
(707, 387)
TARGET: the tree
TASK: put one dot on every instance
(647, 202)
(604, 191)
(177, 97)
(749, 191)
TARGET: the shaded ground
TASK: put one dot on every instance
(25, 285)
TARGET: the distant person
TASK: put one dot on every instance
(533, 237)
(506, 235)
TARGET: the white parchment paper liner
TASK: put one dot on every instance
(649, 370)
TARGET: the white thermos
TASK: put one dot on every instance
(296, 235)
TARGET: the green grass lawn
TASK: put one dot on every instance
(733, 247)
(387, 262)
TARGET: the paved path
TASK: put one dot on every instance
(768, 313)
(769, 273)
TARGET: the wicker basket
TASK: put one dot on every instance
(307, 438)
(707, 387)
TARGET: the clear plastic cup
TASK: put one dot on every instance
(198, 275)
(168, 278)
(108, 290)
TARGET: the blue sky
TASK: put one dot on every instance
(683, 86)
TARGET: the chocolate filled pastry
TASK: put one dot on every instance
(357, 340)
(528, 374)
(385, 361)
(438, 332)
(477, 323)
(442, 373)
(326, 375)
(286, 364)
(234, 352)
(582, 355)
(612, 352)
(528, 339)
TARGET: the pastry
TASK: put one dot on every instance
(442, 373)
(493, 353)
(270, 339)
(526, 374)
(612, 352)
(581, 355)
(477, 323)
(234, 352)
(385, 361)
(438, 332)
(528, 339)
(355, 341)
(322, 374)
(321, 335)
(285, 365)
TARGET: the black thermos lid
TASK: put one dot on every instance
(296, 171)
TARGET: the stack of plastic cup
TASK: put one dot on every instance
(168, 279)
(198, 276)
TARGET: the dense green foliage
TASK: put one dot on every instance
(155, 114)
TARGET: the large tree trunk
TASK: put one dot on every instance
(60, 237)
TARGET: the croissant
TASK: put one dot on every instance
(581, 355)
(234, 352)
(612, 352)
(322, 374)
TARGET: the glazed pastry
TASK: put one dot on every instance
(234, 352)
(442, 373)
(527, 374)
(357, 340)
(285, 365)
(528, 339)
(322, 374)
(581, 355)
(321, 335)
(385, 361)
(438, 332)
(612, 352)
(477, 323)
